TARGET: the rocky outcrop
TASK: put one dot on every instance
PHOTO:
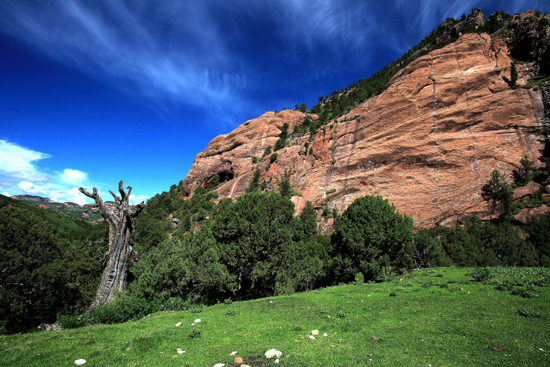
(427, 144)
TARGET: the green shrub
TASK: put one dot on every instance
(43, 270)
(371, 237)
(528, 313)
(359, 278)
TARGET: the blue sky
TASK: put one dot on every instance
(92, 92)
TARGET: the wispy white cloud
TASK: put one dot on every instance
(19, 173)
(19, 162)
(168, 52)
(76, 196)
(73, 176)
(136, 199)
(201, 54)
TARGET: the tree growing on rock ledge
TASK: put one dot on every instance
(121, 225)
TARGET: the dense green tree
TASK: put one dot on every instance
(371, 236)
(539, 236)
(284, 186)
(44, 271)
(282, 137)
(255, 181)
(498, 189)
(306, 226)
(187, 267)
(428, 252)
(254, 234)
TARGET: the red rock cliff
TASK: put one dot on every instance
(427, 144)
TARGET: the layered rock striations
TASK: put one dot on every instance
(427, 144)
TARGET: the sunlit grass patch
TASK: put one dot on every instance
(452, 325)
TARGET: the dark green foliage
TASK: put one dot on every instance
(254, 237)
(148, 233)
(123, 309)
(189, 268)
(215, 180)
(255, 181)
(539, 236)
(282, 137)
(513, 76)
(371, 237)
(481, 244)
(498, 189)
(44, 271)
(524, 174)
(273, 157)
(284, 186)
(428, 251)
(528, 313)
(267, 151)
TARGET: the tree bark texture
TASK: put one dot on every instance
(121, 224)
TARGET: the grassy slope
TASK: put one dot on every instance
(58, 219)
(419, 326)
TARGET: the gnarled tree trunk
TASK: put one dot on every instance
(121, 225)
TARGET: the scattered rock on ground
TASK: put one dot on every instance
(197, 321)
(273, 353)
(311, 337)
(80, 362)
(48, 327)
(375, 338)
(232, 353)
(180, 351)
(314, 332)
(178, 324)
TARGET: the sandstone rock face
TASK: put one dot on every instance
(427, 144)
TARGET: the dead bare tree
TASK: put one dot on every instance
(121, 225)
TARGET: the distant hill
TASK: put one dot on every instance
(47, 213)
(33, 198)
(68, 208)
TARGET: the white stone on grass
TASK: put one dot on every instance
(314, 332)
(197, 321)
(273, 353)
(233, 353)
(178, 324)
(325, 334)
(80, 362)
(219, 365)
(312, 337)
(180, 351)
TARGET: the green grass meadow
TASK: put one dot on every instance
(437, 317)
